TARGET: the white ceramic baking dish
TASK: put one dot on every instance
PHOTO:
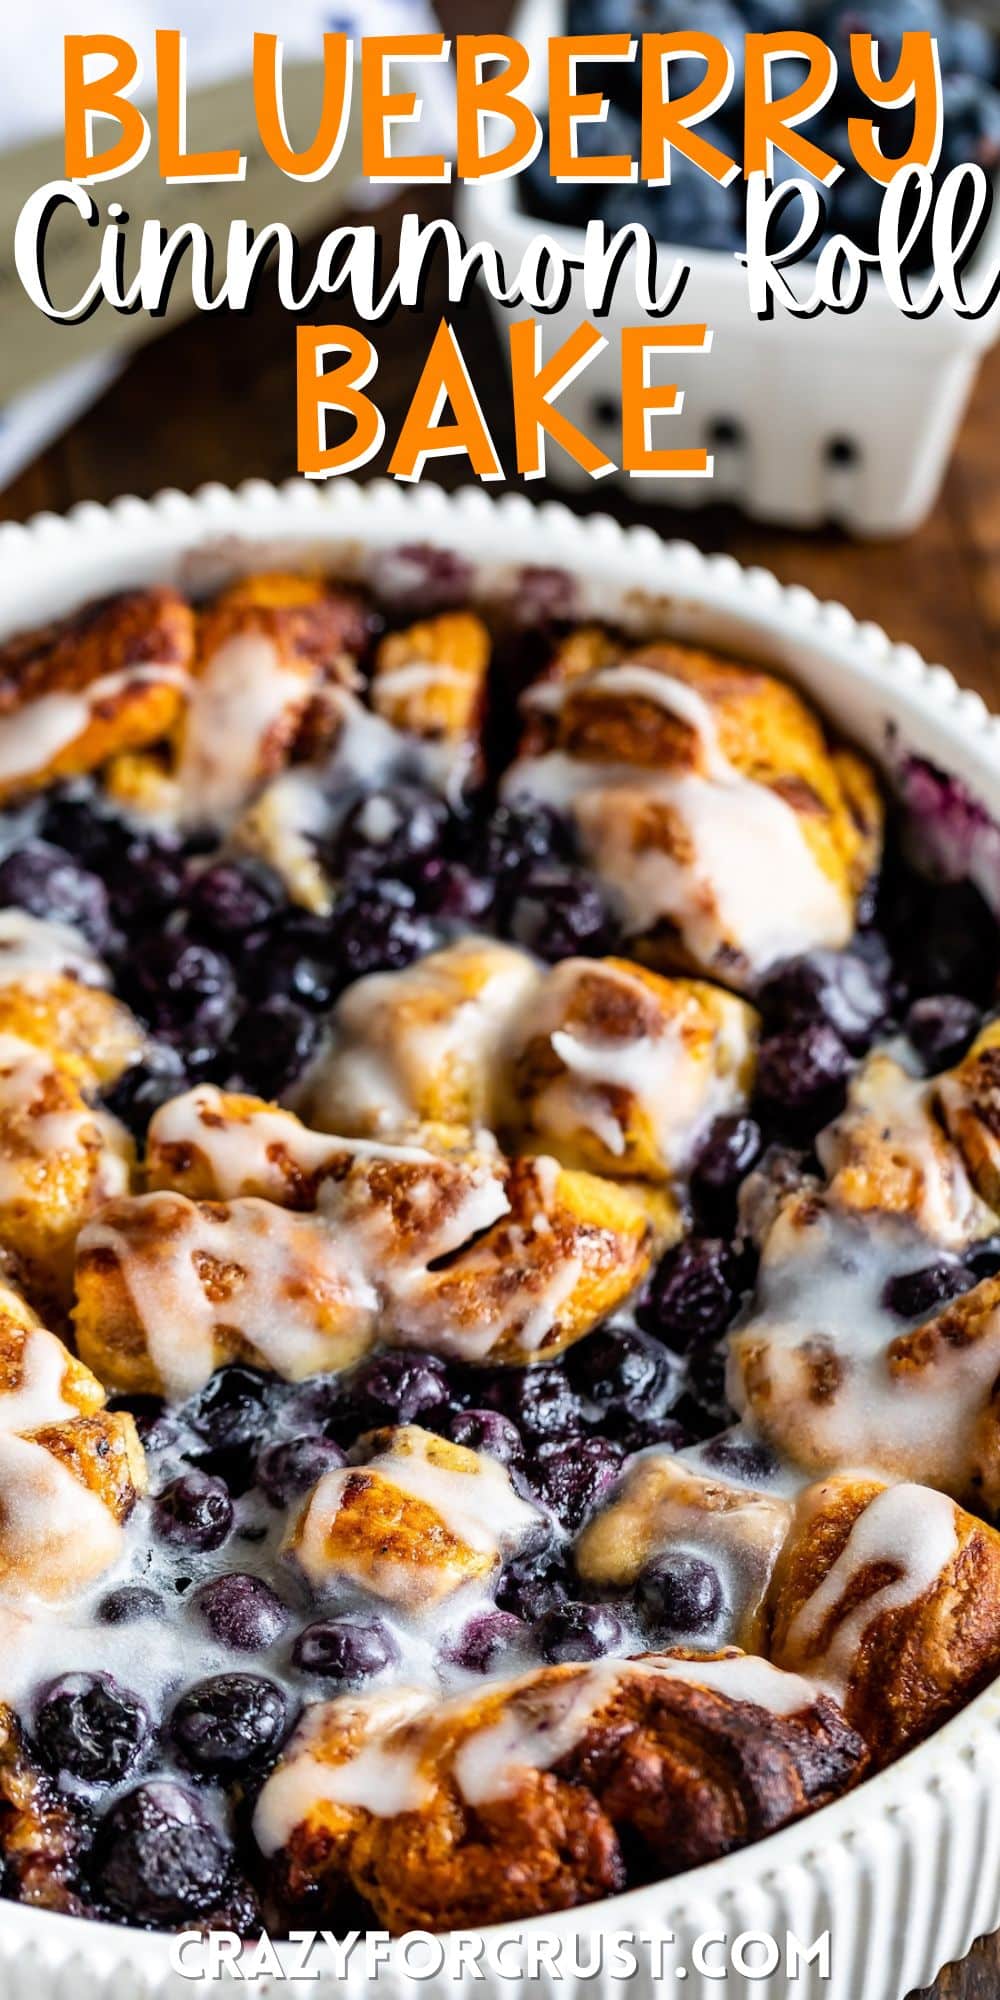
(904, 1873)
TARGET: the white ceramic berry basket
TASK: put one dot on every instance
(844, 419)
(905, 1873)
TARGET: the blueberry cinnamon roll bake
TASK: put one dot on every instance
(499, 1263)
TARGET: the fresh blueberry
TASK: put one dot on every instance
(48, 883)
(88, 1727)
(193, 1512)
(348, 1650)
(144, 1086)
(639, 1433)
(447, 890)
(801, 1074)
(388, 831)
(841, 988)
(402, 1386)
(728, 1152)
(74, 822)
(534, 1583)
(292, 960)
(224, 1724)
(918, 1294)
(621, 1370)
(968, 49)
(518, 837)
(486, 1642)
(241, 1612)
(558, 913)
(377, 928)
(231, 1407)
(185, 990)
(693, 1295)
(941, 1026)
(146, 877)
(971, 123)
(682, 1595)
(539, 1400)
(129, 1603)
(983, 1260)
(704, 1407)
(489, 1431)
(572, 1477)
(287, 1470)
(272, 1044)
(232, 898)
(155, 1858)
(576, 1631)
(742, 1458)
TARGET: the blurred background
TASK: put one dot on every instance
(213, 397)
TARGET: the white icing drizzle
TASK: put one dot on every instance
(751, 883)
(26, 1072)
(293, 1273)
(32, 736)
(55, 1534)
(819, 1299)
(375, 1764)
(308, 1776)
(38, 1398)
(910, 1527)
(245, 1150)
(441, 1025)
(241, 693)
(32, 950)
(680, 1090)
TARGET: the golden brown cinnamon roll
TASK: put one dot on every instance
(620, 1071)
(695, 785)
(429, 681)
(889, 1596)
(168, 1290)
(40, 1836)
(529, 1796)
(888, 1154)
(412, 1522)
(969, 1102)
(66, 1488)
(421, 1047)
(60, 1159)
(106, 680)
(667, 1504)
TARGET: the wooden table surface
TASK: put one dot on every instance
(215, 399)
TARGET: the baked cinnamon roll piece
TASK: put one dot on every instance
(266, 648)
(414, 1520)
(60, 1158)
(889, 1154)
(621, 1071)
(695, 786)
(168, 1290)
(529, 1796)
(968, 1098)
(889, 1596)
(423, 1047)
(41, 1838)
(66, 1489)
(429, 682)
(41, 1382)
(668, 1503)
(106, 680)
(469, 1254)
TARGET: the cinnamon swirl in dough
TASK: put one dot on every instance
(890, 1597)
(527, 1796)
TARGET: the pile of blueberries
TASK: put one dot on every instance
(694, 211)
